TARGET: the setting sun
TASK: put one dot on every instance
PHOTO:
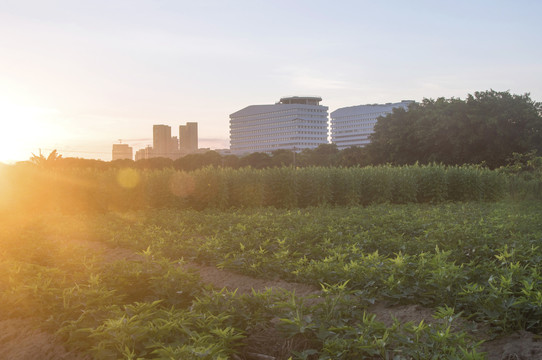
(24, 130)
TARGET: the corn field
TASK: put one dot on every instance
(32, 188)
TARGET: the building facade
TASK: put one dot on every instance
(353, 125)
(188, 137)
(161, 140)
(294, 123)
(145, 153)
(122, 151)
(163, 144)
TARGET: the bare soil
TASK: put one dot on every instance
(245, 284)
(20, 339)
(521, 345)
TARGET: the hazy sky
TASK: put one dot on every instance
(78, 75)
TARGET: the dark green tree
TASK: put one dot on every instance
(352, 156)
(80, 163)
(230, 161)
(122, 163)
(282, 157)
(487, 127)
(257, 160)
(154, 163)
(51, 160)
(323, 155)
(192, 162)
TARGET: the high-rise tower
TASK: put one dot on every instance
(161, 141)
(188, 137)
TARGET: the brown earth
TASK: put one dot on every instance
(245, 284)
(20, 339)
(521, 345)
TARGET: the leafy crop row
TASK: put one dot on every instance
(475, 261)
(482, 258)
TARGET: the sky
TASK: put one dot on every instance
(77, 76)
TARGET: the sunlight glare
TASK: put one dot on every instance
(24, 129)
(128, 178)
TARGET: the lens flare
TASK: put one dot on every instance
(128, 178)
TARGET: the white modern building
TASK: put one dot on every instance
(352, 126)
(294, 123)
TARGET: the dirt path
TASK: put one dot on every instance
(245, 284)
(20, 339)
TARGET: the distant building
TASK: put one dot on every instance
(145, 153)
(161, 140)
(163, 144)
(122, 151)
(188, 138)
(174, 145)
(352, 126)
(292, 123)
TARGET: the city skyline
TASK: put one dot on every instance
(78, 76)
(165, 144)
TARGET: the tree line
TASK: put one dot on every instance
(488, 128)
(323, 155)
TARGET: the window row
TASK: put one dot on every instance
(235, 143)
(363, 127)
(281, 119)
(365, 121)
(273, 122)
(267, 136)
(274, 130)
(297, 146)
(286, 111)
(363, 115)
